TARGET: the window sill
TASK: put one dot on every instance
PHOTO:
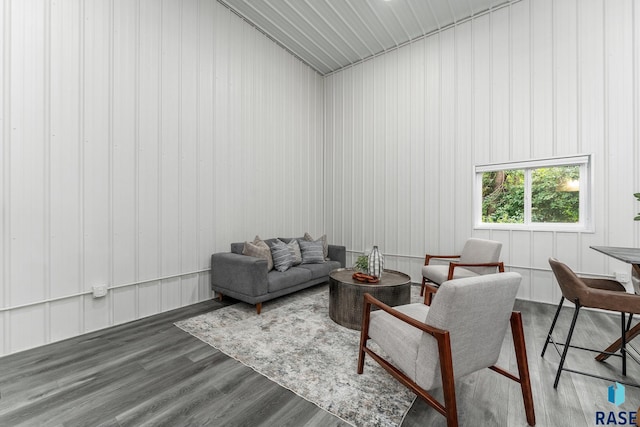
(564, 228)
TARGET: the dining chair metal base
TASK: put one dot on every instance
(622, 351)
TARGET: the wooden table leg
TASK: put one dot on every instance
(631, 334)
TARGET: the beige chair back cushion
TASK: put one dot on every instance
(480, 251)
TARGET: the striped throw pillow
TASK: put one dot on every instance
(323, 240)
(282, 258)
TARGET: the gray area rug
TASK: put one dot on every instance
(295, 343)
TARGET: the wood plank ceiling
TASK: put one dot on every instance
(332, 34)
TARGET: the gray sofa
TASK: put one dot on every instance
(246, 278)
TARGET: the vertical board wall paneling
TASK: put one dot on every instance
(136, 145)
(66, 145)
(619, 79)
(377, 184)
(482, 96)
(418, 206)
(542, 75)
(97, 160)
(434, 172)
(388, 180)
(5, 170)
(205, 136)
(368, 154)
(148, 165)
(463, 176)
(29, 153)
(636, 113)
(566, 77)
(500, 40)
(448, 128)
(591, 130)
(190, 166)
(403, 161)
(530, 80)
(124, 157)
(520, 89)
(171, 152)
(347, 158)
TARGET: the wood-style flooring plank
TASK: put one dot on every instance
(151, 373)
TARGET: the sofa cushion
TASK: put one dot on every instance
(282, 257)
(311, 252)
(279, 280)
(258, 249)
(321, 270)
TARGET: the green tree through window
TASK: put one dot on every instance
(555, 194)
(503, 196)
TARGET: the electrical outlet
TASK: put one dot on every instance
(99, 291)
(622, 276)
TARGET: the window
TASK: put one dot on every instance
(536, 194)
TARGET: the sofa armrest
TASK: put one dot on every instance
(338, 253)
(242, 274)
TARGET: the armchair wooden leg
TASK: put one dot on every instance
(364, 334)
(424, 282)
(220, 296)
(258, 307)
(448, 383)
(523, 366)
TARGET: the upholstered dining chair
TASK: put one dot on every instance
(428, 347)
(604, 294)
(478, 256)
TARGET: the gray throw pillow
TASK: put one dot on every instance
(311, 252)
(323, 239)
(282, 258)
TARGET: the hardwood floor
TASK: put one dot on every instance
(149, 372)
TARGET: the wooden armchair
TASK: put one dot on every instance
(478, 257)
(462, 332)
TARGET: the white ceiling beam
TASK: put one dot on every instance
(283, 31)
(373, 9)
(382, 47)
(349, 26)
(310, 24)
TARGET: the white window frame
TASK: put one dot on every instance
(586, 193)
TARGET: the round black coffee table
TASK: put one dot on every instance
(346, 295)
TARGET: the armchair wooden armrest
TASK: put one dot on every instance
(366, 313)
(453, 265)
(428, 257)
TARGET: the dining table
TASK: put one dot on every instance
(630, 256)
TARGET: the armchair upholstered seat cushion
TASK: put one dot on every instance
(402, 339)
(439, 273)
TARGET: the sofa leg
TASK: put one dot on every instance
(220, 296)
(258, 307)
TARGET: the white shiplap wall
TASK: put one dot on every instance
(139, 137)
(534, 79)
